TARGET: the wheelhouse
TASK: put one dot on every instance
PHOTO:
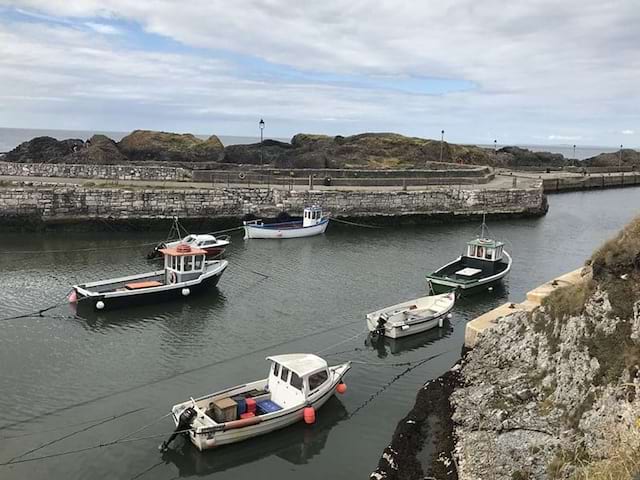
(183, 263)
(311, 216)
(485, 249)
(295, 378)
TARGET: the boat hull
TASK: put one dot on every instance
(209, 440)
(286, 230)
(116, 300)
(403, 328)
(440, 285)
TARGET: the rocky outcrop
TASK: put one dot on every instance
(98, 150)
(367, 150)
(515, 157)
(148, 145)
(629, 158)
(554, 394)
(43, 150)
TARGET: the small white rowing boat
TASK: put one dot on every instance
(312, 223)
(411, 317)
(298, 385)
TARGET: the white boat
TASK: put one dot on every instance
(186, 271)
(214, 246)
(313, 223)
(298, 385)
(411, 317)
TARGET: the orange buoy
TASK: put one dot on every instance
(73, 297)
(341, 388)
(309, 415)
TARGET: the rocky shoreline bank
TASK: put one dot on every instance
(548, 394)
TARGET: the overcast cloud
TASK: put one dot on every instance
(521, 72)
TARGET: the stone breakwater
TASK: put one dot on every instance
(51, 202)
(103, 172)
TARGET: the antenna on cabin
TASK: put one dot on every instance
(484, 225)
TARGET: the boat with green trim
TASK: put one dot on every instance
(484, 265)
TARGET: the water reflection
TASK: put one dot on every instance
(197, 310)
(385, 346)
(296, 444)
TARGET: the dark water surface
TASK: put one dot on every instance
(60, 375)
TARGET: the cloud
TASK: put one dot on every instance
(103, 28)
(526, 65)
(627, 132)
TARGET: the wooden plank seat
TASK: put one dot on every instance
(146, 284)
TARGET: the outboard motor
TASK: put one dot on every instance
(380, 327)
(184, 422)
(155, 253)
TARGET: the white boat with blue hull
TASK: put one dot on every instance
(411, 317)
(297, 385)
(313, 223)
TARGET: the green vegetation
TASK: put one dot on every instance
(568, 301)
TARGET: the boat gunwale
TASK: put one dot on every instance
(471, 282)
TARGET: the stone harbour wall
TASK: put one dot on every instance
(103, 172)
(51, 202)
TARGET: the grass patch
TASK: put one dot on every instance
(568, 301)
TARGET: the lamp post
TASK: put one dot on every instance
(574, 152)
(261, 139)
(620, 158)
(441, 143)
(495, 146)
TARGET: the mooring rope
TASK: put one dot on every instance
(355, 224)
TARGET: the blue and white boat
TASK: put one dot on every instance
(313, 223)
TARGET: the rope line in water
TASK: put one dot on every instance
(92, 447)
(64, 437)
(355, 224)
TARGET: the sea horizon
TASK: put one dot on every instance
(11, 137)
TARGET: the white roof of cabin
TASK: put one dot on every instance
(201, 237)
(301, 363)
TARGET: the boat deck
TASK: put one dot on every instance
(469, 270)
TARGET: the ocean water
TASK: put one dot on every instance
(12, 137)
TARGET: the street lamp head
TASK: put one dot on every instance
(442, 132)
(261, 124)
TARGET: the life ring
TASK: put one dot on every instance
(241, 175)
(172, 277)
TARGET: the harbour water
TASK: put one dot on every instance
(60, 374)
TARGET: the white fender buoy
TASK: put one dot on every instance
(186, 291)
(99, 304)
(490, 289)
(449, 315)
(440, 322)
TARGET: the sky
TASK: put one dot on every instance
(523, 71)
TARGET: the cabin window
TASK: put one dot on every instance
(472, 250)
(284, 374)
(188, 263)
(198, 263)
(296, 381)
(480, 252)
(317, 379)
(488, 253)
(276, 369)
(174, 263)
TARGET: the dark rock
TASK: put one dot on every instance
(43, 150)
(146, 145)
(98, 150)
(630, 158)
(522, 157)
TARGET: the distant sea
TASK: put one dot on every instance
(12, 137)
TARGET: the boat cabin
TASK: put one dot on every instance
(311, 216)
(485, 249)
(200, 241)
(295, 378)
(183, 263)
